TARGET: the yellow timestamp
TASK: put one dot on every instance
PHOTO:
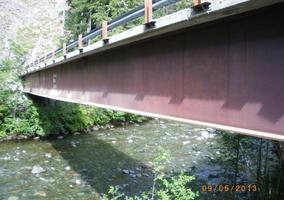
(229, 188)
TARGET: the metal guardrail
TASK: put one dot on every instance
(119, 21)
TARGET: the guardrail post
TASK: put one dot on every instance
(197, 2)
(199, 7)
(148, 13)
(105, 32)
(53, 55)
(80, 43)
(64, 50)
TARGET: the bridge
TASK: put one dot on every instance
(219, 65)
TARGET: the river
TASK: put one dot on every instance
(83, 166)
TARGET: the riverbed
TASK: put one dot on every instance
(84, 166)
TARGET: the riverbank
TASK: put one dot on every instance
(41, 118)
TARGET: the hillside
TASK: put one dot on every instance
(31, 24)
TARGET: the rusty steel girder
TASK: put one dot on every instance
(228, 74)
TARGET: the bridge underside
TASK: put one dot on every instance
(228, 74)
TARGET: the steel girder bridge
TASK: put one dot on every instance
(218, 65)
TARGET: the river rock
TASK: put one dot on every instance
(146, 166)
(76, 133)
(60, 137)
(125, 171)
(95, 128)
(13, 198)
(78, 182)
(186, 142)
(48, 155)
(37, 169)
(67, 168)
(130, 141)
(40, 194)
(205, 135)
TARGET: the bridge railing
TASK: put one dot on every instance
(145, 10)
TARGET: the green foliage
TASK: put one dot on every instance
(177, 186)
(81, 11)
(60, 117)
(18, 116)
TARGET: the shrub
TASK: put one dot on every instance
(177, 186)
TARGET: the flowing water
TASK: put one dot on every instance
(84, 166)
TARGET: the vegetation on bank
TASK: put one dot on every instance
(181, 186)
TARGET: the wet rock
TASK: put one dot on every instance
(60, 137)
(146, 166)
(13, 198)
(186, 142)
(163, 126)
(40, 194)
(130, 141)
(95, 128)
(132, 175)
(48, 155)
(37, 169)
(121, 187)
(36, 138)
(205, 135)
(211, 130)
(74, 145)
(76, 133)
(125, 171)
(168, 134)
(21, 137)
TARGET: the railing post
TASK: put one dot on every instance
(197, 2)
(53, 55)
(148, 13)
(64, 50)
(200, 7)
(80, 43)
(105, 31)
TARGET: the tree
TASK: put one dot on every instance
(82, 12)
